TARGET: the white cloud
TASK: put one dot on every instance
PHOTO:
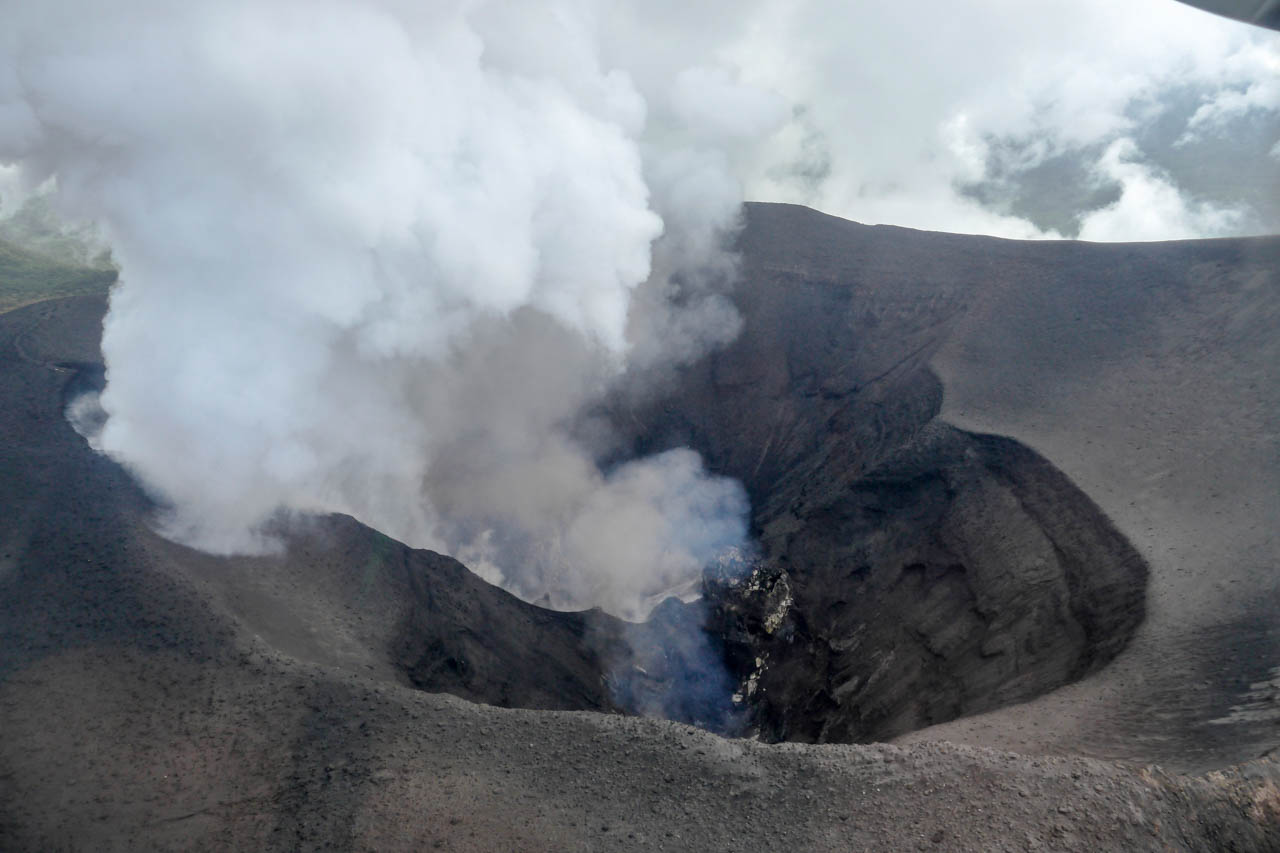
(1150, 207)
(909, 98)
(1249, 82)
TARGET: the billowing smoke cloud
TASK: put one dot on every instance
(378, 257)
(383, 258)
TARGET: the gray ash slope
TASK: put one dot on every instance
(151, 696)
(1091, 396)
(342, 596)
(913, 572)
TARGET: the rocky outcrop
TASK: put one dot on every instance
(963, 573)
(463, 636)
(911, 572)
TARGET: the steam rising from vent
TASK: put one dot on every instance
(385, 258)
(379, 258)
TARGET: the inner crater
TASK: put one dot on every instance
(907, 572)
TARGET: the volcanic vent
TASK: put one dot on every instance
(910, 572)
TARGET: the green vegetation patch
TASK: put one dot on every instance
(27, 277)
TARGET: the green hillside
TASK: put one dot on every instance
(27, 277)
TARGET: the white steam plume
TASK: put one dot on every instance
(376, 257)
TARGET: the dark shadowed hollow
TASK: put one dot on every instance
(912, 572)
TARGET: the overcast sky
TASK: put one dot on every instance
(1135, 120)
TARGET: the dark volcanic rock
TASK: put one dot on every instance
(80, 564)
(912, 572)
(463, 636)
(961, 574)
(466, 637)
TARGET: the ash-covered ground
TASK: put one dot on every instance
(982, 472)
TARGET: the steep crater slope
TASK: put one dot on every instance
(927, 573)
(912, 572)
(155, 697)
(81, 566)
(152, 697)
(962, 574)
